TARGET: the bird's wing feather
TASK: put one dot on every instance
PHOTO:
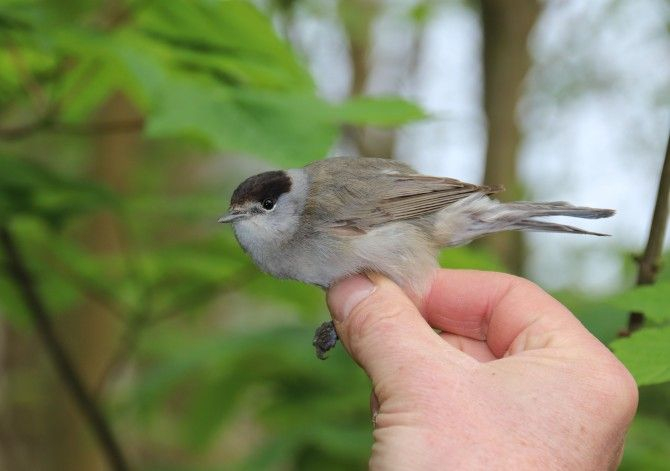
(403, 196)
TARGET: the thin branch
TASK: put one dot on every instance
(23, 130)
(32, 88)
(648, 263)
(88, 289)
(100, 427)
(110, 21)
(136, 325)
(123, 352)
(238, 280)
(111, 127)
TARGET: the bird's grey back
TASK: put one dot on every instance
(358, 194)
(340, 184)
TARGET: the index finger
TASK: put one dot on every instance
(498, 308)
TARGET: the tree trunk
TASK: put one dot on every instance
(358, 23)
(506, 26)
(90, 331)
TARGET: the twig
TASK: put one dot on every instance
(23, 130)
(123, 351)
(137, 324)
(112, 127)
(32, 88)
(64, 366)
(648, 263)
(92, 291)
(238, 280)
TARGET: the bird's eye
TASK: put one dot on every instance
(268, 204)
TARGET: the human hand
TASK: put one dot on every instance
(514, 381)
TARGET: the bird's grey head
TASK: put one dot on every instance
(265, 209)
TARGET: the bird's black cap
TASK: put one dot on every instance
(262, 186)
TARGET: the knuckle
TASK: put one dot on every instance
(518, 282)
(615, 391)
(623, 388)
(375, 316)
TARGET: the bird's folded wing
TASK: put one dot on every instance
(407, 197)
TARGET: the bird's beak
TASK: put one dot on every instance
(232, 216)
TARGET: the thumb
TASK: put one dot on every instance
(381, 328)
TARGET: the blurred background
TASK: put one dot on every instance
(134, 332)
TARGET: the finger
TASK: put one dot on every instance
(498, 308)
(383, 330)
(477, 349)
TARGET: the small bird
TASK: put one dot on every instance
(340, 216)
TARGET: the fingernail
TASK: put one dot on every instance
(345, 295)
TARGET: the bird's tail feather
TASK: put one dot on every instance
(544, 226)
(558, 208)
(478, 216)
(521, 215)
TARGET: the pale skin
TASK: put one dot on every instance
(514, 381)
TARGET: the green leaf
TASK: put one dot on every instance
(215, 73)
(646, 354)
(231, 38)
(652, 300)
(288, 128)
(103, 65)
(385, 111)
(87, 87)
(601, 318)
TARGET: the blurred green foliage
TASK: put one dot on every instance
(211, 353)
(641, 352)
(214, 72)
(203, 77)
(646, 353)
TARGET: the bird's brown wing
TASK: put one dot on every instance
(407, 196)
